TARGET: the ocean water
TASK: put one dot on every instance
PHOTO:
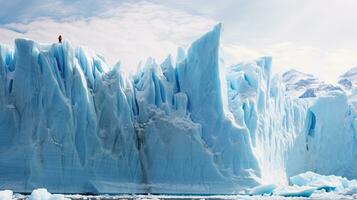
(321, 196)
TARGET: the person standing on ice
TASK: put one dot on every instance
(60, 39)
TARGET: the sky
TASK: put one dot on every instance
(312, 36)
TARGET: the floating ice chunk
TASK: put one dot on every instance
(340, 185)
(40, 194)
(350, 191)
(6, 195)
(328, 183)
(43, 194)
(262, 189)
(295, 191)
(57, 197)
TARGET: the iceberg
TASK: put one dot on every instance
(71, 124)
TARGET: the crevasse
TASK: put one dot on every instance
(70, 125)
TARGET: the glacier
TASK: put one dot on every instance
(71, 124)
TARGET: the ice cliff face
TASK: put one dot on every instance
(187, 126)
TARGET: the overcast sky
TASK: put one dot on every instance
(313, 36)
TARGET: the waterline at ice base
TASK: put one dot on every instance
(71, 124)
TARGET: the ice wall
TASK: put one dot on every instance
(274, 121)
(291, 131)
(65, 124)
(69, 126)
(72, 126)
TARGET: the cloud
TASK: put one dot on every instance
(27, 11)
(130, 32)
(315, 36)
(298, 34)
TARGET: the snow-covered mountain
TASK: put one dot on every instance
(303, 85)
(348, 80)
(178, 127)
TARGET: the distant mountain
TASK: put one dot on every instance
(348, 80)
(303, 85)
